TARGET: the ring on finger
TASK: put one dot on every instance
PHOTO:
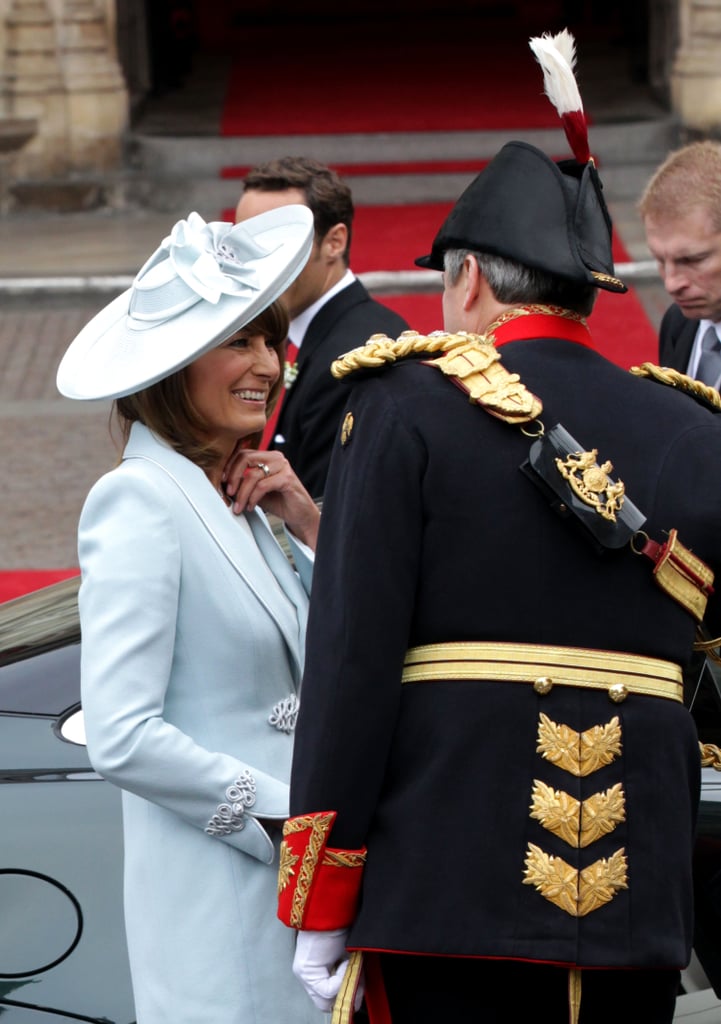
(264, 466)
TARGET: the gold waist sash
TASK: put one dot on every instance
(545, 666)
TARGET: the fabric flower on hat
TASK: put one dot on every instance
(213, 259)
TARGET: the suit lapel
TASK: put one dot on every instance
(233, 542)
(354, 294)
(676, 339)
(326, 316)
(685, 342)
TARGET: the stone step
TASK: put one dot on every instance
(184, 172)
(204, 155)
(211, 197)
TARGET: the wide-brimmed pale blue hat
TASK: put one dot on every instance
(204, 282)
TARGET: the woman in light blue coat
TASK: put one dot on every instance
(193, 618)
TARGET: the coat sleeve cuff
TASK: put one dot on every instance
(318, 887)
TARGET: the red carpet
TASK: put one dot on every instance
(384, 73)
(15, 583)
(389, 237)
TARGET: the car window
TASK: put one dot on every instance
(47, 684)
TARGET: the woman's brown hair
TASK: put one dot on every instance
(166, 409)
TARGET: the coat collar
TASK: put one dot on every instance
(234, 543)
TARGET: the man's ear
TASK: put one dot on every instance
(335, 241)
(474, 283)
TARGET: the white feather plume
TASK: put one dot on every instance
(557, 57)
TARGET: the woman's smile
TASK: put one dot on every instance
(229, 387)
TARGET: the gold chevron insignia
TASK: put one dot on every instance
(601, 813)
(578, 824)
(288, 861)
(580, 754)
(601, 881)
(557, 811)
(577, 894)
(592, 484)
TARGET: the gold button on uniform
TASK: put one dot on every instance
(347, 429)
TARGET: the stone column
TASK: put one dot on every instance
(61, 73)
(696, 71)
(96, 97)
(32, 87)
(663, 28)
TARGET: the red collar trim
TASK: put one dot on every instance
(523, 322)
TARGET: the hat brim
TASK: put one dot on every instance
(429, 262)
(113, 356)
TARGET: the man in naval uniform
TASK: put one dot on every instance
(495, 776)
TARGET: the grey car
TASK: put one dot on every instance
(62, 942)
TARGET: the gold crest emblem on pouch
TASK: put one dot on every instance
(592, 484)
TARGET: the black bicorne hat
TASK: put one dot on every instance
(547, 215)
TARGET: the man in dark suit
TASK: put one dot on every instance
(681, 212)
(495, 778)
(330, 310)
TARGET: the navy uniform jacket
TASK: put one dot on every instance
(311, 410)
(431, 533)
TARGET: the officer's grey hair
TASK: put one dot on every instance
(512, 283)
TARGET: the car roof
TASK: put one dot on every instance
(40, 621)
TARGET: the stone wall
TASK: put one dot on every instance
(72, 70)
(696, 72)
(63, 97)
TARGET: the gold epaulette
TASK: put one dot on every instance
(471, 360)
(682, 382)
(475, 366)
(380, 349)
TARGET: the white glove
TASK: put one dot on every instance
(319, 964)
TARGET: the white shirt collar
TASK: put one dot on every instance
(298, 326)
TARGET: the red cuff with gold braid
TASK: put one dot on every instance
(318, 887)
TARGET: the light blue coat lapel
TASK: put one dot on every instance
(221, 524)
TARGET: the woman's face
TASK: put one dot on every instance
(229, 387)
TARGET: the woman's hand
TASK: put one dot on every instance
(253, 478)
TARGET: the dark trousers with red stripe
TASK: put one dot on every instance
(433, 990)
